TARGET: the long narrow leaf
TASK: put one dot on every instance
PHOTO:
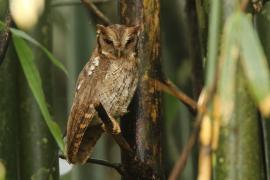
(213, 42)
(228, 66)
(255, 65)
(33, 78)
(2, 25)
(25, 36)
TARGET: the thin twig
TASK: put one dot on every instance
(170, 88)
(181, 161)
(74, 3)
(117, 166)
(5, 37)
(93, 8)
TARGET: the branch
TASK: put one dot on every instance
(117, 166)
(181, 162)
(108, 123)
(93, 8)
(137, 168)
(5, 37)
(170, 88)
(74, 3)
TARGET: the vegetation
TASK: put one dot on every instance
(215, 51)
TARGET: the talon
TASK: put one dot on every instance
(116, 128)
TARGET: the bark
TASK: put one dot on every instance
(239, 153)
(38, 150)
(141, 127)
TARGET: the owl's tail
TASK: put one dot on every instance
(79, 152)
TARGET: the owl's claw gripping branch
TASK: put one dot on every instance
(138, 166)
(113, 127)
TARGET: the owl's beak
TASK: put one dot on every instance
(119, 53)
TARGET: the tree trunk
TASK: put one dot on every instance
(141, 127)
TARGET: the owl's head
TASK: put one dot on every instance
(117, 41)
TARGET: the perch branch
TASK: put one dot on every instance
(117, 166)
(5, 37)
(93, 8)
(108, 123)
(170, 88)
(138, 168)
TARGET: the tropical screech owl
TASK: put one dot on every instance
(110, 77)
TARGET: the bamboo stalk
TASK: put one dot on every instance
(8, 112)
(38, 150)
(239, 152)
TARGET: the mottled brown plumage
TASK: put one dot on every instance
(110, 77)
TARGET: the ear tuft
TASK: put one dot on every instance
(100, 28)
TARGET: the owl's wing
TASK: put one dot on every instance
(82, 131)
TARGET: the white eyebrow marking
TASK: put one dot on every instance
(92, 68)
(79, 85)
(96, 61)
(89, 73)
(105, 52)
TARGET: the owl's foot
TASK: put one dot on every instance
(113, 129)
(122, 112)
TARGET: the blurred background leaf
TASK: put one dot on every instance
(34, 81)
(255, 65)
(2, 171)
(191, 33)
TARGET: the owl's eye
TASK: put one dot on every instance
(130, 41)
(108, 41)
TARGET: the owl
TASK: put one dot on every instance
(110, 77)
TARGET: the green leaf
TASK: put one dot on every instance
(2, 171)
(25, 36)
(228, 65)
(2, 25)
(33, 78)
(213, 42)
(255, 65)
